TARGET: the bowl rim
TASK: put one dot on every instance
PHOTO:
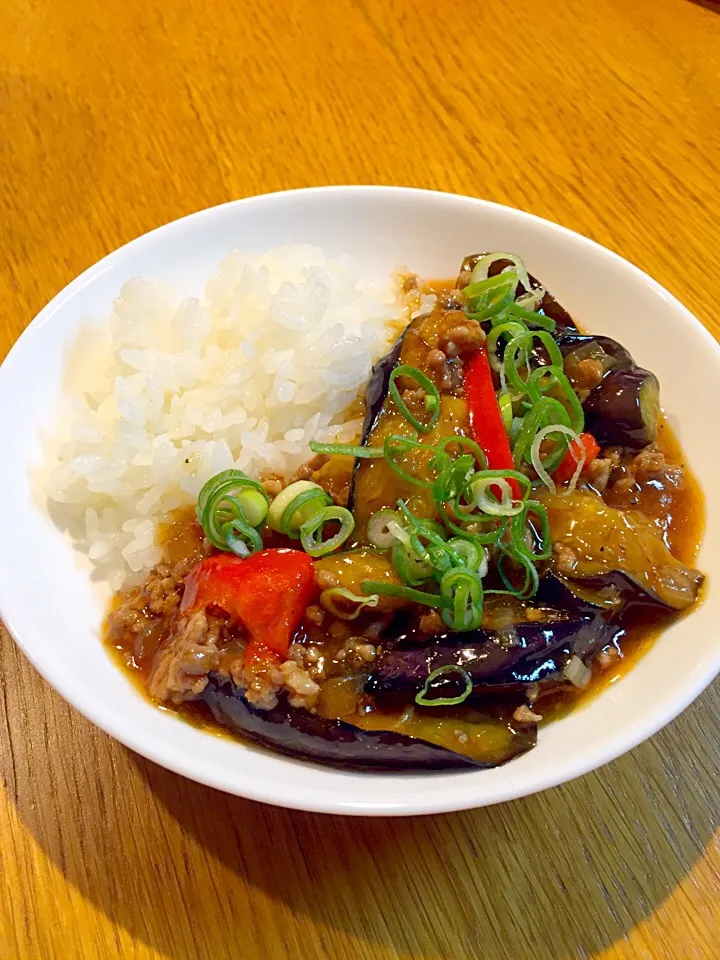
(616, 745)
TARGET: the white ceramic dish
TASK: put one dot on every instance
(57, 626)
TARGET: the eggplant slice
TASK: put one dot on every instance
(504, 660)
(624, 408)
(374, 484)
(618, 550)
(298, 733)
(548, 305)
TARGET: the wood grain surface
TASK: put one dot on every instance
(119, 115)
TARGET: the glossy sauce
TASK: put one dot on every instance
(676, 508)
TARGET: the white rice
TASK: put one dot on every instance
(245, 376)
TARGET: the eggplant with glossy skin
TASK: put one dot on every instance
(548, 305)
(497, 661)
(582, 345)
(610, 549)
(624, 408)
(305, 735)
(374, 483)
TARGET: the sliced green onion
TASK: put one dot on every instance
(405, 370)
(462, 593)
(422, 700)
(431, 402)
(519, 310)
(229, 508)
(490, 476)
(470, 555)
(483, 490)
(382, 528)
(506, 411)
(544, 379)
(347, 450)
(311, 531)
(294, 505)
(518, 526)
(459, 528)
(240, 538)
(463, 441)
(409, 567)
(510, 331)
(524, 342)
(545, 411)
(536, 460)
(531, 582)
(396, 445)
(441, 560)
(452, 476)
(487, 298)
(386, 589)
(482, 268)
(329, 598)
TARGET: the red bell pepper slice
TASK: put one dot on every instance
(269, 592)
(485, 418)
(586, 444)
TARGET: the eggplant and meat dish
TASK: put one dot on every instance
(513, 524)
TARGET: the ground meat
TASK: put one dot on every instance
(565, 559)
(637, 468)
(436, 360)
(607, 658)
(163, 595)
(523, 714)
(414, 399)
(271, 483)
(183, 661)
(311, 659)
(325, 579)
(303, 691)
(462, 339)
(315, 614)
(597, 474)
(431, 622)
(262, 682)
(356, 653)
(143, 609)
(306, 471)
(585, 375)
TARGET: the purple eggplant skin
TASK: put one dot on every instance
(569, 342)
(298, 733)
(502, 661)
(548, 305)
(376, 392)
(377, 388)
(682, 588)
(624, 409)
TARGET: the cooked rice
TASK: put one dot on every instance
(245, 376)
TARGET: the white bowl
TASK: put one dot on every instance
(54, 613)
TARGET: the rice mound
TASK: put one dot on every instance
(245, 376)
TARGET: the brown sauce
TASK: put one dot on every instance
(674, 502)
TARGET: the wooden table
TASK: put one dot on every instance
(118, 116)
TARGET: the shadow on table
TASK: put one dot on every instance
(552, 877)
